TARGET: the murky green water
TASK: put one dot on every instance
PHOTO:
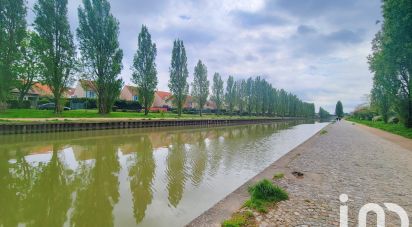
(144, 177)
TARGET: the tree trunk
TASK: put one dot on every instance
(200, 110)
(57, 107)
(146, 111)
(20, 100)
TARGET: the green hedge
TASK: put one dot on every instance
(14, 104)
(89, 103)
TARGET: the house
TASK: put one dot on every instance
(162, 99)
(129, 93)
(210, 105)
(85, 89)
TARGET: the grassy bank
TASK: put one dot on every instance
(398, 129)
(31, 113)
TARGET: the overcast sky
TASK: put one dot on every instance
(316, 49)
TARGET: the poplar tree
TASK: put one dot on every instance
(29, 67)
(178, 75)
(56, 46)
(200, 85)
(12, 32)
(217, 92)
(144, 69)
(98, 34)
(339, 109)
(230, 96)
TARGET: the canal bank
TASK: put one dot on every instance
(368, 166)
(103, 124)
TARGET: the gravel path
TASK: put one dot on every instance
(350, 160)
(368, 165)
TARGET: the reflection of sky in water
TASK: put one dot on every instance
(165, 177)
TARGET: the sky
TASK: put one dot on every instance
(316, 49)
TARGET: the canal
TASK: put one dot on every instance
(134, 177)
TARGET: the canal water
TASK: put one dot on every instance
(134, 177)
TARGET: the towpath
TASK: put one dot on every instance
(368, 165)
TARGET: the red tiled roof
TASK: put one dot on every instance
(41, 89)
(163, 94)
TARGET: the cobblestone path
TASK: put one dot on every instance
(349, 160)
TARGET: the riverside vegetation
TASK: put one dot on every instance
(262, 194)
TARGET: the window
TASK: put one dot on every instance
(90, 94)
(135, 98)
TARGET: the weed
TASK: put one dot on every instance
(323, 132)
(278, 176)
(235, 221)
(263, 194)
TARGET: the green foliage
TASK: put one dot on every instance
(235, 221)
(323, 114)
(391, 62)
(178, 75)
(263, 193)
(16, 104)
(200, 86)
(144, 69)
(28, 67)
(217, 92)
(12, 33)
(239, 219)
(363, 113)
(101, 55)
(339, 109)
(55, 44)
(230, 95)
(394, 128)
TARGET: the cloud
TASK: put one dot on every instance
(314, 48)
(253, 20)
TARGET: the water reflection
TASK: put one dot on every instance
(141, 173)
(170, 175)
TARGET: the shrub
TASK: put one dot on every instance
(393, 120)
(377, 118)
(14, 104)
(263, 193)
(128, 105)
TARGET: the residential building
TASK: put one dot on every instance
(85, 89)
(129, 93)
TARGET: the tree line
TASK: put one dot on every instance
(391, 62)
(48, 54)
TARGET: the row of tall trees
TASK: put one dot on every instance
(391, 62)
(48, 54)
(323, 114)
(251, 96)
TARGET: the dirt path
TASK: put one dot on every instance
(369, 166)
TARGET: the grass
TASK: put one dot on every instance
(398, 129)
(33, 113)
(278, 176)
(263, 194)
(323, 132)
(239, 219)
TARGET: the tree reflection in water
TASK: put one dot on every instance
(176, 171)
(84, 189)
(141, 173)
(98, 187)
